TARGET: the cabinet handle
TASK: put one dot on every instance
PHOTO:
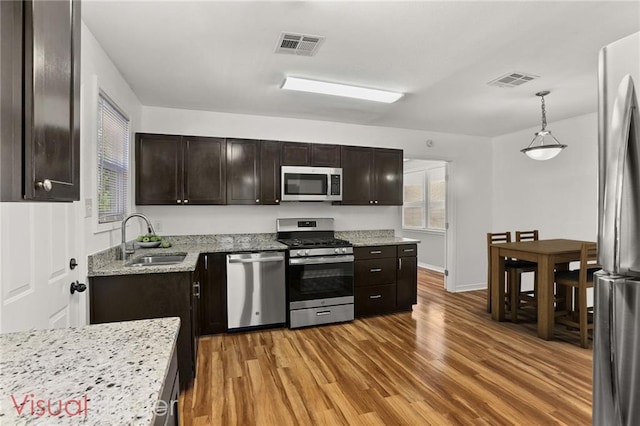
(370, 201)
(277, 201)
(257, 200)
(375, 296)
(321, 313)
(196, 288)
(179, 201)
(407, 250)
(399, 263)
(375, 202)
(375, 270)
(186, 201)
(45, 184)
(375, 251)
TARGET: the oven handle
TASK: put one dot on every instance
(320, 260)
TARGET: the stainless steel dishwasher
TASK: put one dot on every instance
(256, 292)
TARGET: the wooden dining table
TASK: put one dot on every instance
(547, 254)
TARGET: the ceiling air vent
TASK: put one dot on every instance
(512, 79)
(299, 44)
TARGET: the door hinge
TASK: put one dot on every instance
(446, 272)
(446, 225)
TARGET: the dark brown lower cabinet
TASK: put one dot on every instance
(385, 279)
(167, 413)
(213, 291)
(144, 296)
(407, 277)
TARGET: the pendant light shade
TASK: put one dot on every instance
(544, 145)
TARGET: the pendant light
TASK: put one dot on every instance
(538, 149)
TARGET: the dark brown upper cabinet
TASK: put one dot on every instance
(387, 177)
(270, 172)
(243, 171)
(40, 95)
(180, 170)
(371, 176)
(310, 154)
(296, 154)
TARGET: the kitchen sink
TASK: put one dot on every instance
(157, 259)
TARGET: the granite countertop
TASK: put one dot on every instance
(381, 241)
(193, 249)
(103, 264)
(104, 374)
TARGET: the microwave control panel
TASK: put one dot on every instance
(335, 185)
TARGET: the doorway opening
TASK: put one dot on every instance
(426, 211)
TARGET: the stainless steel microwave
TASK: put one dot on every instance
(310, 183)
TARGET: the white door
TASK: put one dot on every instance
(37, 242)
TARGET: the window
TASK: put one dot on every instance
(113, 161)
(424, 199)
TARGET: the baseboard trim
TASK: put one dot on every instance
(431, 267)
(470, 287)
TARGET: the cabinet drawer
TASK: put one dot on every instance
(374, 252)
(374, 272)
(375, 299)
(407, 250)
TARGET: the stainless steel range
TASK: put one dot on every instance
(319, 272)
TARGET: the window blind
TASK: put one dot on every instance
(113, 162)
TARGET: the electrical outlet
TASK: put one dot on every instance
(88, 207)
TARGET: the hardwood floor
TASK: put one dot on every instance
(446, 362)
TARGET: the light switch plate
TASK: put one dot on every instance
(88, 207)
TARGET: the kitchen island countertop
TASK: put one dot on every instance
(105, 374)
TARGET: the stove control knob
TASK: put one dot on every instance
(336, 251)
(300, 252)
(306, 252)
(344, 250)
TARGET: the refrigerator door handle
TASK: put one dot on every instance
(619, 148)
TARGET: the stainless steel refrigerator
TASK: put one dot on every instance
(616, 345)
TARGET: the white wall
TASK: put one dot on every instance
(99, 73)
(558, 197)
(471, 173)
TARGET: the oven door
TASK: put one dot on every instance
(320, 281)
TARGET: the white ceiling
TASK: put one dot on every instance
(219, 56)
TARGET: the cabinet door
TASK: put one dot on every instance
(270, 172)
(204, 170)
(387, 177)
(296, 154)
(11, 102)
(356, 175)
(407, 282)
(325, 155)
(195, 310)
(213, 294)
(243, 174)
(52, 100)
(158, 169)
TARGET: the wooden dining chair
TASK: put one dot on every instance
(497, 237)
(578, 314)
(519, 267)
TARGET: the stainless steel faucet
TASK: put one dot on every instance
(123, 246)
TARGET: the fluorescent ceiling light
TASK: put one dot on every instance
(314, 86)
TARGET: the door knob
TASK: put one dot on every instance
(73, 263)
(77, 286)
